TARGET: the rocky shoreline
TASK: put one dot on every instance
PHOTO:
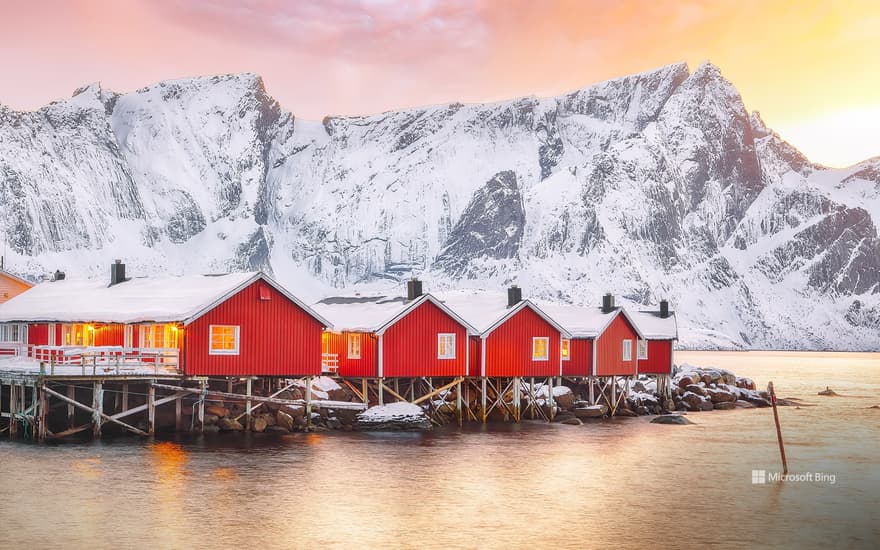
(691, 389)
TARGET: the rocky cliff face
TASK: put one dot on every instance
(652, 185)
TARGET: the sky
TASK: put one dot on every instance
(812, 69)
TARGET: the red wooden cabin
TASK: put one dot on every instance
(11, 286)
(604, 341)
(660, 330)
(382, 337)
(239, 324)
(517, 338)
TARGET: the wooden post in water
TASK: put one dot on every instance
(43, 416)
(483, 398)
(151, 408)
(178, 414)
(365, 391)
(772, 392)
(124, 397)
(247, 404)
(98, 407)
(309, 401)
(203, 386)
(13, 409)
(550, 399)
(71, 394)
(458, 403)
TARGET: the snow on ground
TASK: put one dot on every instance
(399, 411)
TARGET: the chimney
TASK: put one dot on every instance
(413, 289)
(514, 296)
(664, 309)
(59, 275)
(117, 272)
(607, 303)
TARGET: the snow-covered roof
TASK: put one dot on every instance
(581, 321)
(4, 273)
(486, 311)
(376, 313)
(137, 300)
(654, 327)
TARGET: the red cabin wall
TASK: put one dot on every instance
(581, 363)
(38, 334)
(609, 349)
(659, 359)
(366, 366)
(476, 353)
(277, 337)
(409, 346)
(110, 335)
(509, 347)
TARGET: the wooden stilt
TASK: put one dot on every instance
(13, 410)
(124, 396)
(151, 409)
(247, 404)
(550, 399)
(365, 389)
(592, 390)
(178, 414)
(43, 417)
(309, 402)
(203, 388)
(230, 385)
(381, 392)
(98, 409)
(94, 411)
(483, 399)
(458, 402)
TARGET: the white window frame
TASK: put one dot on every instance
(234, 351)
(69, 329)
(169, 332)
(642, 346)
(627, 350)
(546, 348)
(562, 343)
(52, 336)
(354, 337)
(21, 333)
(449, 348)
(128, 336)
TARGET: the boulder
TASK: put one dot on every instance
(394, 416)
(721, 396)
(260, 424)
(707, 379)
(672, 419)
(697, 389)
(590, 411)
(277, 429)
(642, 410)
(217, 410)
(230, 425)
(725, 405)
(284, 420)
(572, 421)
(211, 419)
(828, 392)
(623, 411)
(728, 378)
(746, 384)
(691, 400)
(743, 404)
(706, 405)
(294, 411)
(639, 387)
(212, 429)
(685, 381)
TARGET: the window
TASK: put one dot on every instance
(540, 348)
(446, 346)
(643, 349)
(158, 336)
(566, 346)
(354, 346)
(128, 337)
(627, 350)
(13, 333)
(224, 340)
(78, 335)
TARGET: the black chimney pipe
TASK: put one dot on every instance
(59, 275)
(413, 289)
(607, 303)
(514, 296)
(664, 309)
(117, 272)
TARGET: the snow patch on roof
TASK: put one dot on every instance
(654, 327)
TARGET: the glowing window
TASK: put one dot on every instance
(446, 346)
(566, 345)
(643, 349)
(158, 336)
(540, 348)
(224, 339)
(354, 346)
(627, 350)
(78, 335)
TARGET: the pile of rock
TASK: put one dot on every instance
(394, 416)
(706, 389)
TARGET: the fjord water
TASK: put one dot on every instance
(624, 483)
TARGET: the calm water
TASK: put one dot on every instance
(626, 483)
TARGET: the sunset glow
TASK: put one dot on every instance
(811, 68)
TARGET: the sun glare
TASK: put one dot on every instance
(837, 139)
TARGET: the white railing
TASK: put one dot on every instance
(13, 349)
(330, 362)
(103, 360)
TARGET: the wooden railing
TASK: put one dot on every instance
(330, 362)
(98, 360)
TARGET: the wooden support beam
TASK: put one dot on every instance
(483, 398)
(203, 393)
(365, 389)
(247, 404)
(438, 390)
(259, 398)
(43, 417)
(145, 406)
(151, 409)
(308, 402)
(97, 409)
(124, 396)
(458, 403)
(178, 413)
(393, 392)
(353, 389)
(93, 411)
(71, 393)
(381, 387)
(71, 431)
(261, 403)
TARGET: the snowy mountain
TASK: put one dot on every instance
(654, 185)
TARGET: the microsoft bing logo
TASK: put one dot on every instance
(759, 477)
